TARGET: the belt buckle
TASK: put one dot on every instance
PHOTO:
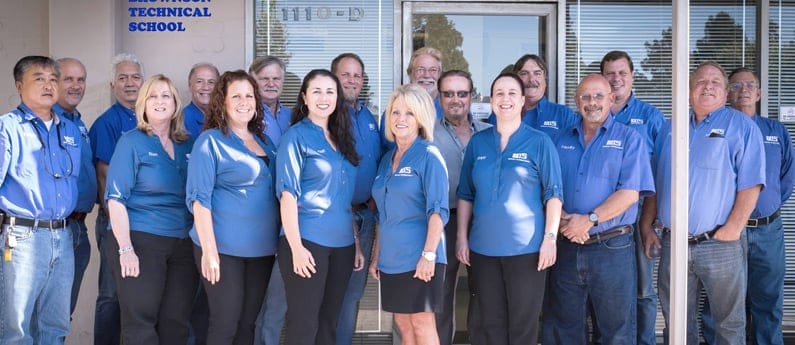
(752, 223)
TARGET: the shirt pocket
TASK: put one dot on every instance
(711, 153)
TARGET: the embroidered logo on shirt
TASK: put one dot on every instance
(613, 143)
(152, 154)
(771, 139)
(321, 151)
(567, 147)
(717, 133)
(480, 158)
(636, 121)
(404, 171)
(550, 124)
(371, 126)
(67, 140)
(519, 156)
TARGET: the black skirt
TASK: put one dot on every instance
(400, 293)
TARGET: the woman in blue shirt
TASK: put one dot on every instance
(511, 183)
(230, 192)
(315, 178)
(150, 252)
(411, 193)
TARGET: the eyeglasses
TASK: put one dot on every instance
(460, 94)
(432, 70)
(587, 97)
(751, 85)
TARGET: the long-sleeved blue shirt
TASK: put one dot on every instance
(779, 167)
(87, 182)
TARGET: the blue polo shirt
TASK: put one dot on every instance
(547, 117)
(107, 130)
(779, 169)
(726, 156)
(321, 180)
(387, 145)
(642, 116)
(237, 187)
(508, 189)
(150, 184)
(368, 146)
(615, 159)
(87, 182)
(406, 198)
(40, 168)
(276, 124)
(194, 119)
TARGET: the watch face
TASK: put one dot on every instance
(593, 217)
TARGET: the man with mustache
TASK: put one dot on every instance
(128, 76)
(617, 67)
(201, 79)
(606, 168)
(727, 172)
(71, 89)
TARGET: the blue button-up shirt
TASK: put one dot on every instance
(321, 180)
(642, 116)
(276, 125)
(237, 187)
(107, 130)
(508, 189)
(726, 156)
(368, 146)
(406, 198)
(87, 183)
(194, 119)
(779, 169)
(39, 168)
(150, 184)
(616, 158)
(547, 117)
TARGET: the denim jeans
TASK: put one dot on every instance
(346, 325)
(107, 322)
(647, 295)
(766, 268)
(37, 281)
(603, 273)
(274, 308)
(719, 268)
(82, 249)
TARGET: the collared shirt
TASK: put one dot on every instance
(779, 169)
(642, 116)
(39, 168)
(368, 146)
(406, 198)
(452, 149)
(508, 189)
(237, 187)
(616, 158)
(548, 117)
(194, 119)
(321, 180)
(726, 156)
(87, 182)
(387, 145)
(276, 125)
(107, 130)
(150, 184)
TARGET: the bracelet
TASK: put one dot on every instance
(125, 249)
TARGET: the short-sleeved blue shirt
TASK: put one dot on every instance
(150, 184)
(642, 116)
(237, 187)
(39, 167)
(726, 156)
(547, 117)
(616, 158)
(779, 169)
(87, 183)
(368, 146)
(406, 198)
(107, 130)
(277, 124)
(194, 119)
(508, 189)
(321, 180)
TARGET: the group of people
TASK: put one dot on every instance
(220, 220)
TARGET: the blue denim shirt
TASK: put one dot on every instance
(107, 130)
(642, 116)
(87, 183)
(40, 168)
(779, 169)
(368, 146)
(194, 119)
(547, 117)
(237, 187)
(276, 124)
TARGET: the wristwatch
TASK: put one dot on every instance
(594, 218)
(551, 235)
(430, 256)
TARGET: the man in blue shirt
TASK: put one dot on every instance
(349, 69)
(39, 171)
(727, 172)
(617, 67)
(201, 79)
(71, 88)
(128, 76)
(606, 168)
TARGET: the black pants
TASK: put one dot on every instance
(314, 304)
(235, 300)
(510, 290)
(156, 305)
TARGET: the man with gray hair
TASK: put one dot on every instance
(127, 78)
(201, 79)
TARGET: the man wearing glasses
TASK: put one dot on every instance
(38, 190)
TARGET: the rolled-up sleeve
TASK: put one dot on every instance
(436, 184)
(289, 164)
(549, 170)
(122, 171)
(202, 172)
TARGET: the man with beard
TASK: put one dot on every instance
(201, 79)
(606, 168)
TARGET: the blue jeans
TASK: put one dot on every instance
(35, 286)
(647, 295)
(719, 268)
(346, 325)
(107, 322)
(766, 268)
(603, 273)
(274, 308)
(82, 249)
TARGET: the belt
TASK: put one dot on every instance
(78, 216)
(57, 224)
(606, 235)
(755, 222)
(696, 239)
(359, 207)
